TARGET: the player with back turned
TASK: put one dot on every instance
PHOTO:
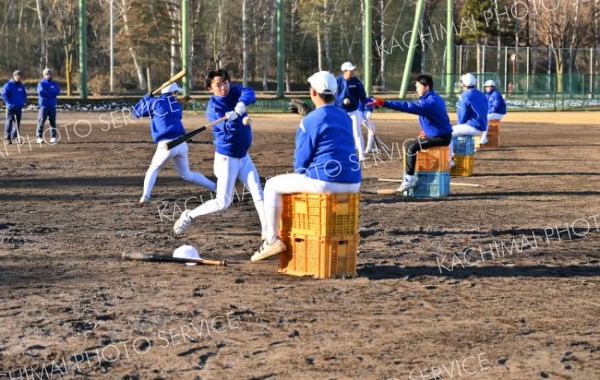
(232, 140)
(322, 160)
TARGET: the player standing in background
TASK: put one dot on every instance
(471, 111)
(15, 97)
(434, 121)
(322, 160)
(232, 142)
(496, 106)
(351, 97)
(166, 125)
(47, 90)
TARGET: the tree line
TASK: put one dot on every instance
(240, 35)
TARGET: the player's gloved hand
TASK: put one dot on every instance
(240, 108)
(367, 115)
(376, 103)
(231, 116)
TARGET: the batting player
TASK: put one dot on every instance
(434, 121)
(166, 125)
(496, 105)
(15, 97)
(471, 110)
(322, 160)
(351, 97)
(232, 139)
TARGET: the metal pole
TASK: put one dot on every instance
(82, 50)
(112, 48)
(527, 75)
(367, 33)
(449, 47)
(185, 48)
(280, 49)
(411, 49)
(506, 69)
(591, 73)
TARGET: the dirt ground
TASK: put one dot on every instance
(522, 302)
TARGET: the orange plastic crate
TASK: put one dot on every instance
(320, 214)
(494, 141)
(463, 166)
(320, 256)
(435, 159)
(494, 127)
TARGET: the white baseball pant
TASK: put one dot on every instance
(295, 183)
(370, 136)
(228, 170)
(179, 155)
(490, 116)
(359, 144)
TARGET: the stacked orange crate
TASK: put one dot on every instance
(493, 135)
(321, 234)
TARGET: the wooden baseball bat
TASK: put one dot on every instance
(173, 143)
(158, 257)
(174, 78)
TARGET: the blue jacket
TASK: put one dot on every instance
(325, 146)
(352, 89)
(496, 102)
(472, 109)
(47, 90)
(14, 94)
(431, 109)
(166, 114)
(232, 138)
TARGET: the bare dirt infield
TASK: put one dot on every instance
(71, 308)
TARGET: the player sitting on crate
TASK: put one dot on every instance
(496, 106)
(434, 121)
(324, 160)
(471, 111)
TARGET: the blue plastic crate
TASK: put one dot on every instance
(431, 184)
(463, 145)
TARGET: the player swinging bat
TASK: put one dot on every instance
(165, 126)
(232, 140)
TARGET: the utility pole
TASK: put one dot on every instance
(82, 49)
(185, 41)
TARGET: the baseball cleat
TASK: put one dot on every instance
(183, 223)
(267, 250)
(144, 200)
(39, 140)
(407, 184)
(53, 140)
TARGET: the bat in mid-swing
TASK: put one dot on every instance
(157, 257)
(181, 139)
(173, 143)
(174, 78)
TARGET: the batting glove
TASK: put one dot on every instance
(376, 103)
(231, 116)
(367, 115)
(240, 108)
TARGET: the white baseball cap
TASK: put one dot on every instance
(323, 82)
(46, 71)
(489, 83)
(468, 80)
(187, 252)
(348, 66)
(173, 87)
